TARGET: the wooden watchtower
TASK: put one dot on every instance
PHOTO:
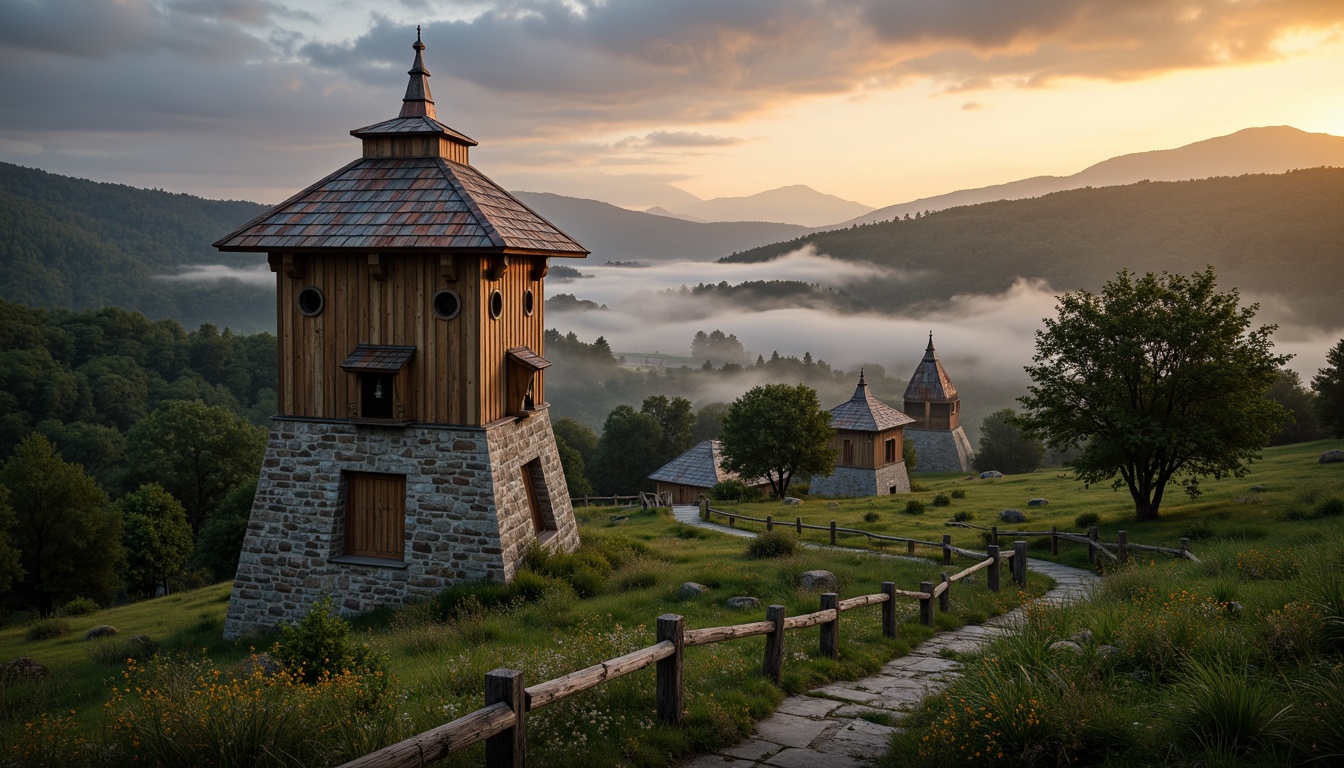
(932, 400)
(868, 443)
(412, 449)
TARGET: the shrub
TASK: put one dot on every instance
(80, 606)
(638, 576)
(1086, 520)
(691, 532)
(1226, 711)
(942, 500)
(1331, 507)
(914, 507)
(116, 651)
(1198, 530)
(964, 516)
(918, 488)
(728, 490)
(795, 489)
(871, 517)
(1267, 564)
(47, 629)
(319, 646)
(772, 544)
(959, 493)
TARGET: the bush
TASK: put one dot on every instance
(914, 507)
(319, 646)
(772, 544)
(1331, 507)
(871, 517)
(1224, 710)
(959, 493)
(964, 516)
(942, 500)
(728, 490)
(115, 651)
(47, 629)
(918, 487)
(1086, 520)
(80, 606)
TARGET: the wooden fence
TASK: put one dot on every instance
(502, 722)
(615, 501)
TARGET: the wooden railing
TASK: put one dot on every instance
(1095, 546)
(615, 501)
(502, 722)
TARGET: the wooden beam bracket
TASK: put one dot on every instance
(540, 268)
(293, 268)
(498, 265)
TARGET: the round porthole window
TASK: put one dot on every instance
(496, 305)
(447, 304)
(529, 302)
(311, 301)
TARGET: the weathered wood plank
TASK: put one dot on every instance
(810, 619)
(967, 572)
(710, 635)
(439, 742)
(862, 600)
(553, 690)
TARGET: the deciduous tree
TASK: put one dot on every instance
(675, 419)
(1004, 447)
(1157, 379)
(627, 453)
(156, 536)
(777, 431)
(1328, 383)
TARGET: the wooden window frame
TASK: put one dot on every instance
(889, 449)
(374, 534)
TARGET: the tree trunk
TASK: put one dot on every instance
(1145, 510)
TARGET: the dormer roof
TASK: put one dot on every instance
(865, 413)
(930, 384)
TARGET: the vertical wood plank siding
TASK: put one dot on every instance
(375, 509)
(513, 328)
(869, 448)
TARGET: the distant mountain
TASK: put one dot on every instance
(659, 210)
(1275, 237)
(618, 234)
(1253, 150)
(795, 204)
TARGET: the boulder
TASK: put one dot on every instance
(1066, 646)
(833, 505)
(821, 581)
(1083, 637)
(1332, 456)
(792, 501)
(1257, 489)
(1107, 652)
(690, 589)
(991, 475)
(743, 601)
(22, 668)
(143, 645)
(106, 630)
(1013, 516)
(1037, 502)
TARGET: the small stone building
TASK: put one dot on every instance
(868, 443)
(696, 472)
(932, 401)
(412, 449)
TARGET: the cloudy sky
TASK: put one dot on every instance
(640, 101)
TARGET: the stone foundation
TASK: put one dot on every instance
(468, 517)
(941, 450)
(851, 481)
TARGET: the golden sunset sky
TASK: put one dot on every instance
(637, 102)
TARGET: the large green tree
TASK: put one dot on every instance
(221, 540)
(1157, 379)
(197, 452)
(1328, 383)
(627, 453)
(10, 569)
(676, 420)
(777, 431)
(1004, 447)
(68, 536)
(156, 536)
(1300, 403)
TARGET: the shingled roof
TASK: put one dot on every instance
(405, 203)
(930, 384)
(865, 413)
(700, 467)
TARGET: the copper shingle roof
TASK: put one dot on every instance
(701, 467)
(930, 384)
(412, 203)
(865, 413)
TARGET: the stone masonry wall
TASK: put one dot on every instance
(467, 515)
(941, 450)
(851, 481)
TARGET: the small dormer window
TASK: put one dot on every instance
(524, 371)
(376, 368)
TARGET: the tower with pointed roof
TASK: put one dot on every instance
(869, 440)
(412, 448)
(931, 400)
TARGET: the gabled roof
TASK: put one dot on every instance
(865, 413)
(930, 384)
(701, 467)
(410, 203)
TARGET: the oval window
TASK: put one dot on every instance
(496, 305)
(311, 301)
(529, 302)
(447, 304)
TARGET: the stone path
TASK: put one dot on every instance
(824, 728)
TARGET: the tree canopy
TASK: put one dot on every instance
(1328, 384)
(1004, 447)
(777, 431)
(627, 453)
(156, 536)
(1156, 379)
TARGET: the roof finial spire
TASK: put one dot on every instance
(862, 383)
(418, 102)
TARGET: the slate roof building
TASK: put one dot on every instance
(696, 471)
(932, 399)
(868, 443)
(412, 448)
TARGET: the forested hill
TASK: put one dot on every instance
(68, 243)
(1268, 235)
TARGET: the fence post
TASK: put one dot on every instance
(671, 692)
(889, 609)
(947, 549)
(1054, 540)
(830, 630)
(507, 749)
(945, 599)
(910, 547)
(1185, 548)
(1020, 563)
(994, 570)
(704, 508)
(769, 523)
(732, 519)
(1092, 536)
(1122, 545)
(994, 534)
(832, 533)
(926, 604)
(798, 521)
(774, 644)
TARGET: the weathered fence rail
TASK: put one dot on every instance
(615, 501)
(502, 723)
(1122, 545)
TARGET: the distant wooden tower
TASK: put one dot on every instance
(868, 443)
(413, 449)
(931, 398)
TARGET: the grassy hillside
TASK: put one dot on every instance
(1278, 236)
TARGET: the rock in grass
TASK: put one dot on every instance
(823, 581)
(1038, 502)
(1332, 456)
(690, 589)
(1013, 516)
(743, 601)
(106, 630)
(792, 501)
(1257, 489)
(991, 475)
(1066, 645)
(1083, 637)
(22, 668)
